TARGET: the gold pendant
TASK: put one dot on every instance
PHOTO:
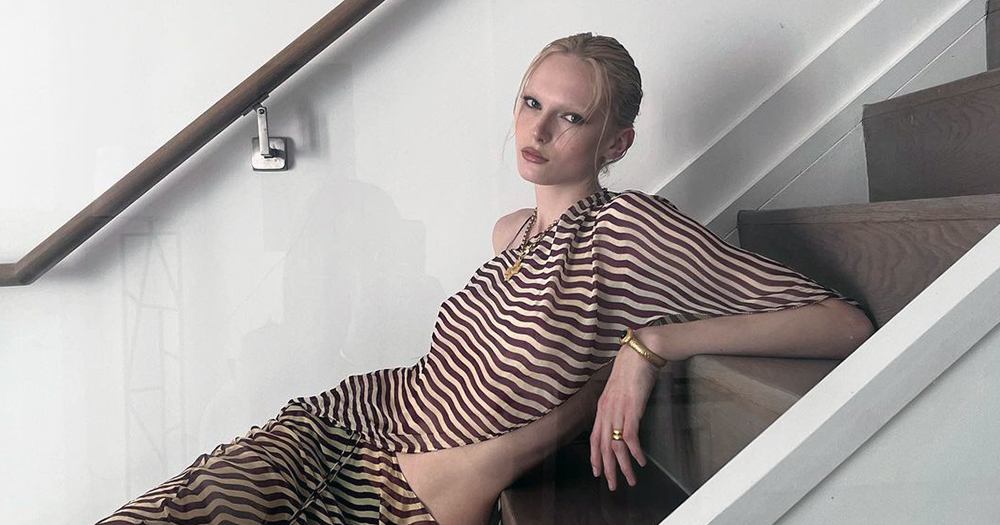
(509, 272)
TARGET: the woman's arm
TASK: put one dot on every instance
(828, 329)
(653, 261)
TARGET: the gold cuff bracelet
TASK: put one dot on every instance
(628, 337)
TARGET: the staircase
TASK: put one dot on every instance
(934, 192)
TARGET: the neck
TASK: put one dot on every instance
(553, 201)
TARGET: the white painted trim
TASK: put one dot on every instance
(849, 117)
(854, 401)
(815, 109)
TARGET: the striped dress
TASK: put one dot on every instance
(503, 354)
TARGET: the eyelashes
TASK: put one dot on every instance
(572, 118)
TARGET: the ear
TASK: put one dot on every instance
(616, 145)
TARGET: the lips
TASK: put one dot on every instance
(532, 155)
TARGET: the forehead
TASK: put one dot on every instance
(563, 80)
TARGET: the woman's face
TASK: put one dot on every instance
(551, 119)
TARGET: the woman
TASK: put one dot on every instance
(510, 375)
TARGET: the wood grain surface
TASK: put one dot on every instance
(882, 254)
(938, 142)
(733, 399)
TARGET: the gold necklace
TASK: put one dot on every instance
(509, 272)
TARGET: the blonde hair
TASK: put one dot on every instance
(617, 83)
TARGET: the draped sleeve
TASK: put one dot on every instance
(655, 265)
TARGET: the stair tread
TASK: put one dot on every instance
(962, 207)
(963, 86)
(562, 489)
(771, 382)
(881, 254)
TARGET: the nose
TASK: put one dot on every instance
(541, 131)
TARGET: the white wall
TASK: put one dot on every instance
(233, 291)
(936, 462)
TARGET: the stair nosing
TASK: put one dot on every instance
(986, 80)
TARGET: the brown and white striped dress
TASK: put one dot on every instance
(503, 354)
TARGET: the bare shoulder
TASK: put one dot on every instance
(507, 227)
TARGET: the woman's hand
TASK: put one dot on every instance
(621, 406)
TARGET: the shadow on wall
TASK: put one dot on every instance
(351, 271)
(353, 277)
(349, 293)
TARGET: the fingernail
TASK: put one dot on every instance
(595, 471)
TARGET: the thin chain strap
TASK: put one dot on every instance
(514, 238)
(524, 244)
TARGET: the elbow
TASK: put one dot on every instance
(852, 327)
(858, 332)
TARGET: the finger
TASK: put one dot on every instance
(631, 445)
(631, 429)
(609, 457)
(624, 461)
(595, 448)
(597, 442)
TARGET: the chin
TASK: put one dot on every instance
(530, 170)
(526, 174)
(528, 178)
(534, 178)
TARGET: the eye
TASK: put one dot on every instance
(531, 103)
(573, 118)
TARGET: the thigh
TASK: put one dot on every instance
(371, 489)
(265, 476)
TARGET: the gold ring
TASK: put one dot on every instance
(616, 434)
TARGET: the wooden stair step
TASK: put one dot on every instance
(665, 428)
(562, 489)
(733, 399)
(699, 416)
(936, 142)
(883, 254)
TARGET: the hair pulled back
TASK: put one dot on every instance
(617, 83)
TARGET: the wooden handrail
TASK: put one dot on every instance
(199, 132)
